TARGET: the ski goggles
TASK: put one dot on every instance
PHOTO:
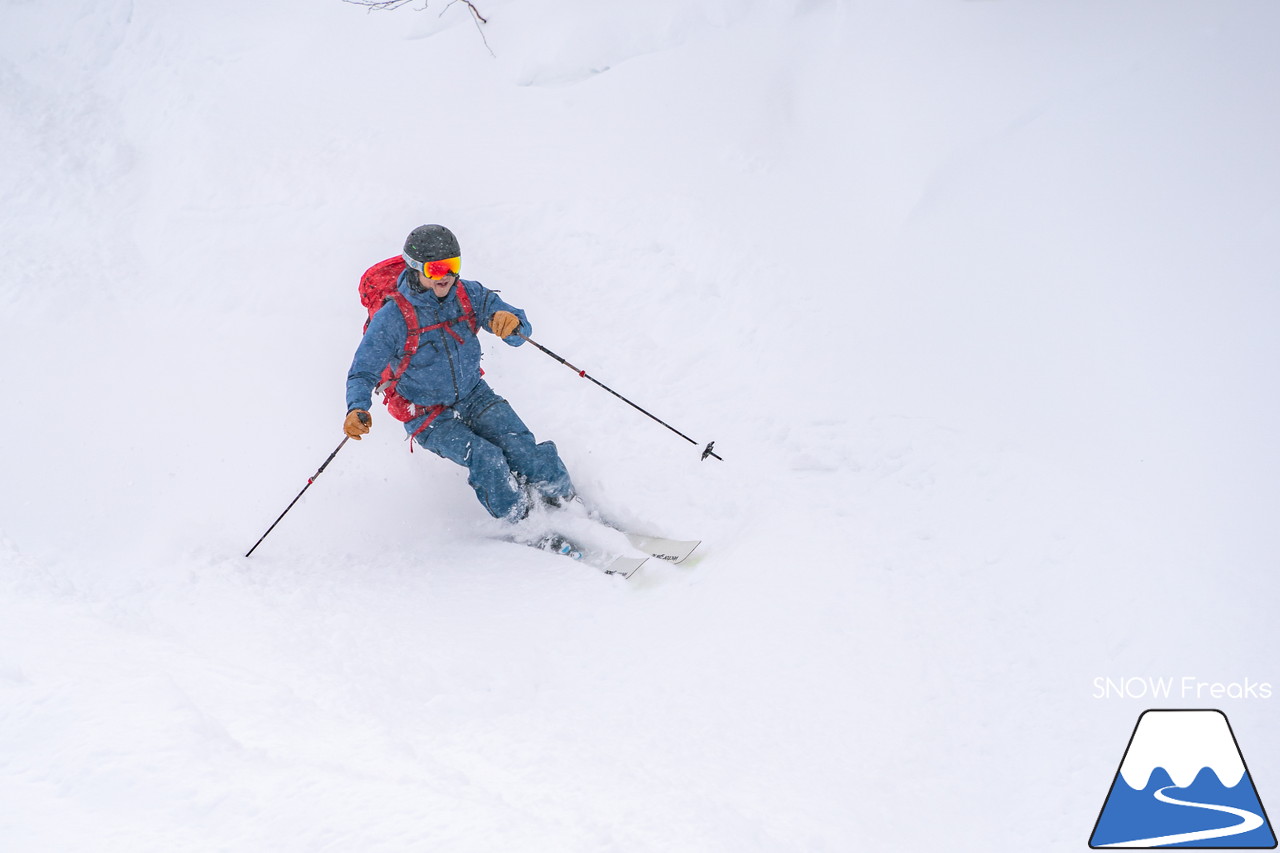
(435, 269)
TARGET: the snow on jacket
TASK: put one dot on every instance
(443, 371)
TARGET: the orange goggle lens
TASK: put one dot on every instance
(440, 269)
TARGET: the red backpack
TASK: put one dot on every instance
(377, 287)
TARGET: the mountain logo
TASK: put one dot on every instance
(1183, 783)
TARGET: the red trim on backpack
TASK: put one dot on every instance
(467, 311)
(400, 408)
(432, 412)
(378, 283)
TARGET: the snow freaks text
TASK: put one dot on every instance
(1187, 687)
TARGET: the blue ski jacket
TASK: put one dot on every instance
(443, 371)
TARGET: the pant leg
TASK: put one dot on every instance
(487, 471)
(538, 463)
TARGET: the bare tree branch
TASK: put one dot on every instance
(385, 5)
(479, 20)
(379, 4)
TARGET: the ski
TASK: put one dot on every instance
(671, 550)
(625, 566)
(668, 550)
(610, 564)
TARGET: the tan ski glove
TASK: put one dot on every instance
(356, 424)
(504, 323)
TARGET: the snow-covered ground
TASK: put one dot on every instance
(977, 299)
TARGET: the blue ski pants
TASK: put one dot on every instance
(482, 433)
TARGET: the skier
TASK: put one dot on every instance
(436, 387)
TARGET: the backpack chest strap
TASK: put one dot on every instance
(447, 325)
(413, 333)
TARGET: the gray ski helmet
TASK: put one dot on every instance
(428, 243)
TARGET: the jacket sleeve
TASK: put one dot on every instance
(487, 302)
(382, 342)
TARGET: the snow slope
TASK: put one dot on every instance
(977, 300)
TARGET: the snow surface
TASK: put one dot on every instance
(977, 299)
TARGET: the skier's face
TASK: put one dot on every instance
(439, 286)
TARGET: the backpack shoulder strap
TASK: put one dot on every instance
(413, 331)
(467, 311)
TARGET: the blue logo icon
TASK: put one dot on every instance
(1183, 783)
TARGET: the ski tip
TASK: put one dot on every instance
(625, 566)
(667, 550)
(685, 552)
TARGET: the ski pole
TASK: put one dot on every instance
(364, 419)
(706, 451)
